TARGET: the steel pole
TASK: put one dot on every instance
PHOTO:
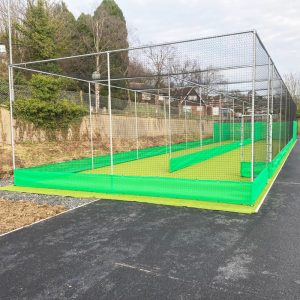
(271, 117)
(10, 32)
(285, 127)
(242, 139)
(253, 105)
(268, 110)
(91, 125)
(11, 101)
(170, 132)
(166, 124)
(11, 86)
(110, 116)
(185, 124)
(280, 112)
(233, 120)
(220, 121)
(200, 119)
(136, 126)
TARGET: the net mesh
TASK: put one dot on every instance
(207, 119)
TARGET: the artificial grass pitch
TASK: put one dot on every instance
(221, 167)
(158, 166)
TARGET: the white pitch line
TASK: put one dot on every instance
(145, 270)
(282, 182)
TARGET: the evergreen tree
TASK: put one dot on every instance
(65, 30)
(114, 34)
(105, 30)
(38, 32)
(111, 7)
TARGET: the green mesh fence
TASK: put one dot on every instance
(229, 131)
(246, 168)
(226, 191)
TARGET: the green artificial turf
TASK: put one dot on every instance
(222, 167)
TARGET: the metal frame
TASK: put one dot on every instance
(11, 86)
(253, 106)
(132, 48)
(91, 126)
(107, 82)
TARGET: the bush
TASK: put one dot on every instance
(44, 109)
(45, 88)
(3, 87)
(49, 115)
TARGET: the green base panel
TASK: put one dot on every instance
(244, 209)
(217, 191)
(246, 168)
(234, 208)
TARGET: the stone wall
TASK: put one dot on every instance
(123, 127)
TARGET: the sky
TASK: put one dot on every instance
(276, 21)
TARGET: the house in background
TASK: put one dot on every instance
(189, 100)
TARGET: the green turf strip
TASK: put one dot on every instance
(187, 160)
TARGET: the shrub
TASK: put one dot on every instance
(44, 109)
(49, 115)
(45, 88)
(3, 87)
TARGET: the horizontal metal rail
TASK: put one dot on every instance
(132, 48)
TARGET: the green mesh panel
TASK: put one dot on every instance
(259, 184)
(224, 191)
(230, 131)
(245, 170)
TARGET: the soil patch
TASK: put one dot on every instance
(15, 214)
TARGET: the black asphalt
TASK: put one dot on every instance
(119, 250)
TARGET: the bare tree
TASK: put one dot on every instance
(108, 32)
(159, 61)
(292, 81)
(190, 73)
(18, 9)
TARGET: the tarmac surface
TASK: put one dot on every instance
(121, 250)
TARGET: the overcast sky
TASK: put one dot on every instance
(277, 22)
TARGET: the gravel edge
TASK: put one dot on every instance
(67, 202)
